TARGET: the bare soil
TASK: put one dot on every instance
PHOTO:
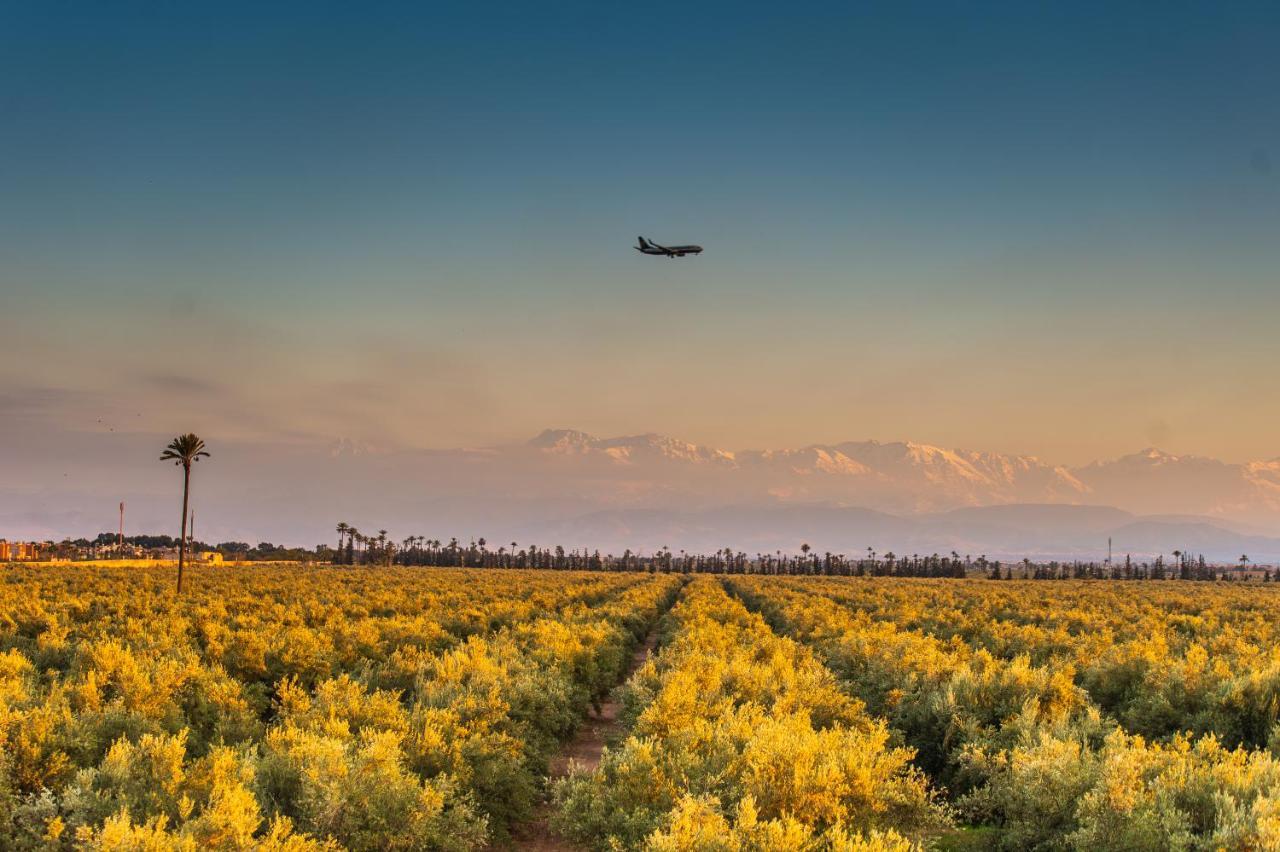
(585, 749)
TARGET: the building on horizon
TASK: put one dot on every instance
(18, 551)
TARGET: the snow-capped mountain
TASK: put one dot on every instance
(905, 476)
(901, 476)
(1265, 475)
(649, 489)
(1156, 481)
(627, 450)
(643, 491)
(989, 477)
(805, 462)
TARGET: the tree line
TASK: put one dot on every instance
(357, 548)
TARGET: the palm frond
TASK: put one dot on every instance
(184, 449)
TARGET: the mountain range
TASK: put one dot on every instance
(645, 491)
(653, 490)
(904, 476)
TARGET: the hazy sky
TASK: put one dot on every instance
(1026, 227)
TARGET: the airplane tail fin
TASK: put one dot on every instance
(643, 242)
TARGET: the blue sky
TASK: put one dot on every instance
(409, 223)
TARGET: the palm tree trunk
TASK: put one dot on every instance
(182, 542)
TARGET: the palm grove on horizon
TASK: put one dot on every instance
(356, 548)
(418, 550)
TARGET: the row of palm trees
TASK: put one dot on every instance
(356, 548)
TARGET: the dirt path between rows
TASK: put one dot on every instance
(585, 749)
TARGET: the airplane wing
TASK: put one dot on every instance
(661, 248)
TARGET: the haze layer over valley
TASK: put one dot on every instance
(904, 476)
(648, 491)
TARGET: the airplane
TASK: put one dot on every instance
(647, 247)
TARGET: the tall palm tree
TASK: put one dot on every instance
(342, 532)
(184, 450)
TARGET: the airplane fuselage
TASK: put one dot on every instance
(647, 247)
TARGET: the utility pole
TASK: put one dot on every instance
(1108, 551)
(120, 537)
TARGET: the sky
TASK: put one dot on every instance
(1023, 227)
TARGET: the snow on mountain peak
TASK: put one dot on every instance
(627, 449)
(904, 461)
(345, 447)
(563, 440)
(815, 459)
(924, 477)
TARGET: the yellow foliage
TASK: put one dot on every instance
(291, 708)
(295, 709)
(746, 741)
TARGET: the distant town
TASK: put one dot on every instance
(161, 548)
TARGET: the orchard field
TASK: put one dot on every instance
(396, 708)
